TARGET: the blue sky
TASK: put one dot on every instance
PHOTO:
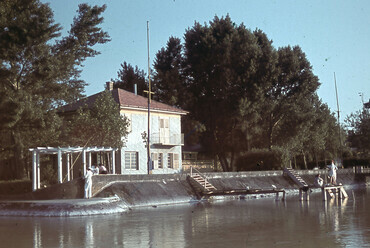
(334, 34)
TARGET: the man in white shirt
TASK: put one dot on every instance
(88, 183)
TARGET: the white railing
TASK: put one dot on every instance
(173, 139)
(200, 174)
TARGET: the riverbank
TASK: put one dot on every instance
(62, 207)
(119, 193)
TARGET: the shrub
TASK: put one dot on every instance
(259, 160)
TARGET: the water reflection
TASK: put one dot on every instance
(37, 236)
(245, 223)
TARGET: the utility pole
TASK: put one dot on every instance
(149, 91)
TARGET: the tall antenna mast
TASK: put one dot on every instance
(339, 131)
(149, 91)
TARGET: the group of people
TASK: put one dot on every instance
(88, 178)
(99, 169)
(319, 181)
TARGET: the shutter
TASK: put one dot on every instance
(176, 161)
(155, 160)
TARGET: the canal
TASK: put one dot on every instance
(240, 223)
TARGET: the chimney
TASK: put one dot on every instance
(135, 89)
(109, 85)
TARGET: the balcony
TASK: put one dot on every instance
(171, 140)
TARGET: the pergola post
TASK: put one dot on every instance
(68, 151)
(89, 160)
(68, 167)
(34, 168)
(84, 162)
(60, 171)
(113, 163)
(38, 170)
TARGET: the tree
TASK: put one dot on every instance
(102, 125)
(244, 92)
(359, 132)
(168, 77)
(39, 72)
(128, 76)
(287, 103)
(219, 61)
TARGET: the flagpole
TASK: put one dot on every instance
(339, 131)
(149, 98)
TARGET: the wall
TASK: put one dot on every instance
(148, 190)
(135, 142)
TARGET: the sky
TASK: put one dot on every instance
(334, 35)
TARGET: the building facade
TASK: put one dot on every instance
(165, 139)
(165, 142)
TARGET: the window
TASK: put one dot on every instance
(164, 130)
(157, 159)
(131, 160)
(173, 160)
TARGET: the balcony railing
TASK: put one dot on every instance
(171, 140)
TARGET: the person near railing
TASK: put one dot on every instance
(88, 183)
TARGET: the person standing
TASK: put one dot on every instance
(88, 183)
(333, 173)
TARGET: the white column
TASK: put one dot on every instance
(68, 167)
(60, 171)
(89, 160)
(84, 162)
(71, 161)
(34, 168)
(113, 163)
(38, 170)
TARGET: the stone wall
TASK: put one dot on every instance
(147, 190)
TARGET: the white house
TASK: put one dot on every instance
(165, 133)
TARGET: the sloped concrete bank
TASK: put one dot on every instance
(62, 208)
(118, 193)
(153, 190)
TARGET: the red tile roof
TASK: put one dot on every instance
(125, 99)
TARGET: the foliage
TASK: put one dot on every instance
(359, 133)
(128, 76)
(38, 71)
(244, 93)
(261, 159)
(168, 76)
(48, 174)
(101, 125)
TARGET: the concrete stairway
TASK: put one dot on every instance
(201, 182)
(295, 177)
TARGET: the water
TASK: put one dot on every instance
(240, 223)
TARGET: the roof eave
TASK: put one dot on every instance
(154, 110)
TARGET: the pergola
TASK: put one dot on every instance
(85, 152)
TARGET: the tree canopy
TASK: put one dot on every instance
(244, 92)
(100, 125)
(39, 70)
(128, 77)
(359, 130)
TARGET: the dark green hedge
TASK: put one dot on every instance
(259, 160)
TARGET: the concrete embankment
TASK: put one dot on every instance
(153, 190)
(62, 207)
(117, 193)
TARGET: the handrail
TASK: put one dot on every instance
(291, 173)
(199, 173)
